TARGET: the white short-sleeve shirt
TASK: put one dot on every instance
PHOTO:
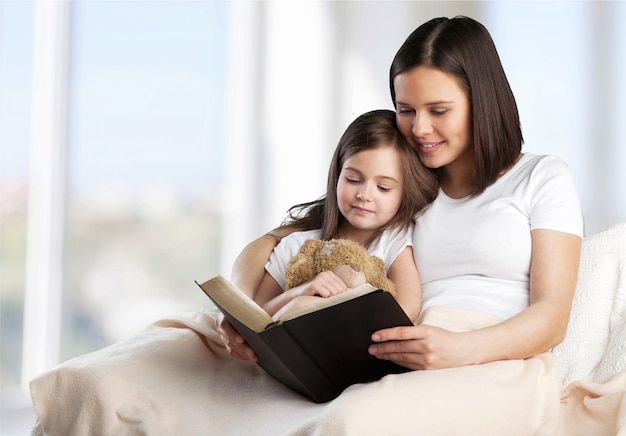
(475, 252)
(388, 246)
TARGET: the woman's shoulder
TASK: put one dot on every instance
(533, 160)
(538, 166)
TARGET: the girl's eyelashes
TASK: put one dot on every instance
(352, 180)
(383, 188)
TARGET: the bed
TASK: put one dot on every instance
(156, 382)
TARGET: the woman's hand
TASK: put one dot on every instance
(248, 271)
(422, 347)
(233, 341)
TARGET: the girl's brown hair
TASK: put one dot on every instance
(370, 130)
(463, 47)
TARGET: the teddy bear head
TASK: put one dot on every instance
(349, 260)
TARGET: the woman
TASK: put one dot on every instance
(498, 251)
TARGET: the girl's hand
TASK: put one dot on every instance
(233, 341)
(422, 347)
(325, 284)
(302, 300)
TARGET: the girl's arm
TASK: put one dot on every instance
(271, 297)
(541, 326)
(403, 273)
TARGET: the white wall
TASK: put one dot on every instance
(323, 63)
(312, 68)
(565, 61)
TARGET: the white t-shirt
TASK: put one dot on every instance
(388, 246)
(474, 252)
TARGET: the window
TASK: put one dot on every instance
(16, 27)
(144, 164)
(138, 174)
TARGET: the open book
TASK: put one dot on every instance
(319, 349)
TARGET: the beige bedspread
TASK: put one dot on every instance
(175, 378)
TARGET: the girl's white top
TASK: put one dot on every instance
(388, 246)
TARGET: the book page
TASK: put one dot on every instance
(232, 300)
(328, 302)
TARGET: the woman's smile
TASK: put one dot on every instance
(429, 147)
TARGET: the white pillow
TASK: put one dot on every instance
(594, 348)
(614, 358)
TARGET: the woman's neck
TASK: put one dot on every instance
(457, 181)
(457, 178)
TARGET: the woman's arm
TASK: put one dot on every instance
(249, 267)
(247, 273)
(553, 273)
(403, 273)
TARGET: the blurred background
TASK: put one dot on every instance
(144, 143)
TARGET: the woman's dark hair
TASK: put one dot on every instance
(463, 48)
(371, 130)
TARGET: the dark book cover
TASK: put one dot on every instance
(320, 353)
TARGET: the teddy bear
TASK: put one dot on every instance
(348, 259)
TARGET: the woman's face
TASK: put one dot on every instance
(433, 111)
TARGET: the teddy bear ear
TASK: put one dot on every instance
(299, 270)
(379, 264)
(310, 246)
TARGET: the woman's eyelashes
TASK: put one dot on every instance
(404, 111)
(434, 112)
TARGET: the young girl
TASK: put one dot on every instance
(376, 186)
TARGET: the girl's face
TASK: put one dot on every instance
(433, 111)
(369, 191)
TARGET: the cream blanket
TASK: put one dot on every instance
(175, 378)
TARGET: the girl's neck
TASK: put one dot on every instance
(357, 235)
